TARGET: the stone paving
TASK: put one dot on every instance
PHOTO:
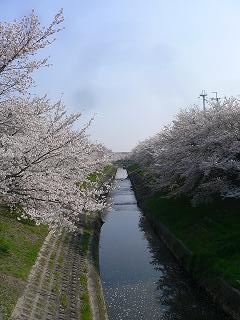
(53, 290)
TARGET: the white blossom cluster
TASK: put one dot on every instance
(44, 160)
(198, 155)
(20, 42)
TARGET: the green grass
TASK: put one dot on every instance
(64, 301)
(83, 280)
(105, 174)
(212, 233)
(85, 241)
(20, 242)
(86, 313)
(93, 177)
(136, 168)
(85, 309)
(96, 176)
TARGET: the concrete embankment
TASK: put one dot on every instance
(223, 294)
(99, 310)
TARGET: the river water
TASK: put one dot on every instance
(141, 279)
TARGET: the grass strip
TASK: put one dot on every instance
(20, 242)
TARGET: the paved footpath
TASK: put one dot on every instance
(53, 290)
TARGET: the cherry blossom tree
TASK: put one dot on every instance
(41, 160)
(45, 161)
(197, 155)
(20, 41)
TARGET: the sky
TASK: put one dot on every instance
(132, 64)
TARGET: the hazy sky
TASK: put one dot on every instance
(135, 63)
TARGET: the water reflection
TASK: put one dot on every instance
(141, 279)
(175, 290)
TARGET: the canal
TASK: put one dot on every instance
(141, 279)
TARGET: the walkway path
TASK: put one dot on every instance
(53, 290)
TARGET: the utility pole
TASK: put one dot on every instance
(203, 96)
(216, 97)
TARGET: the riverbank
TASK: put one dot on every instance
(205, 240)
(51, 275)
(20, 242)
(97, 301)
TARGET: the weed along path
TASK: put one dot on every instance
(141, 280)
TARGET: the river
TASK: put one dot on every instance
(141, 279)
